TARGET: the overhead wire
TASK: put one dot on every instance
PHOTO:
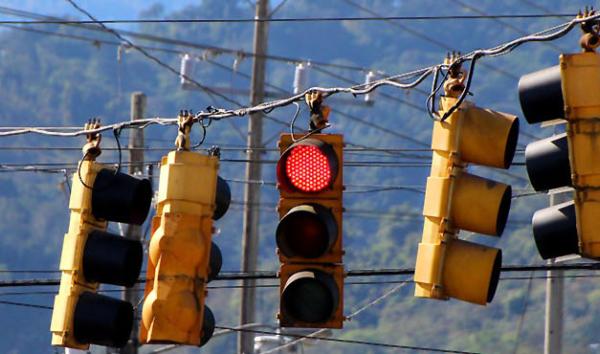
(315, 334)
(183, 43)
(480, 16)
(421, 74)
(523, 313)
(219, 114)
(370, 124)
(418, 34)
(276, 285)
(155, 59)
(397, 99)
(304, 337)
(382, 94)
(373, 125)
(536, 6)
(503, 23)
(584, 266)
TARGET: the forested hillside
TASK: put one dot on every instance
(51, 80)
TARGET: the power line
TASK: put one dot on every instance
(338, 340)
(589, 266)
(421, 74)
(276, 285)
(145, 53)
(303, 337)
(382, 94)
(183, 43)
(350, 317)
(219, 114)
(396, 99)
(22, 304)
(71, 165)
(434, 41)
(290, 19)
(503, 23)
(523, 313)
(370, 124)
(344, 341)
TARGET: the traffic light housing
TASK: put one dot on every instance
(90, 256)
(182, 257)
(446, 266)
(309, 233)
(569, 91)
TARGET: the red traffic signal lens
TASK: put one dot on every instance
(308, 166)
(307, 169)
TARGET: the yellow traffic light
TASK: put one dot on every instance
(447, 267)
(309, 234)
(568, 91)
(182, 257)
(90, 256)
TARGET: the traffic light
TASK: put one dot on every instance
(182, 257)
(446, 266)
(90, 256)
(309, 233)
(571, 92)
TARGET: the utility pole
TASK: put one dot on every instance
(134, 232)
(553, 326)
(253, 172)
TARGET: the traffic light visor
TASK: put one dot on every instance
(488, 137)
(540, 95)
(555, 230)
(308, 166)
(120, 197)
(307, 231)
(471, 271)
(208, 325)
(310, 296)
(547, 162)
(480, 204)
(102, 320)
(223, 198)
(215, 261)
(112, 259)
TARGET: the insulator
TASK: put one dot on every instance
(301, 75)
(186, 69)
(370, 97)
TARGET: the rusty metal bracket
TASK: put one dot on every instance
(455, 83)
(590, 39)
(185, 120)
(319, 113)
(91, 149)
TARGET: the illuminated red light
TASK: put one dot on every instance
(307, 168)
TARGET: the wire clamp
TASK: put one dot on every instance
(214, 151)
(319, 113)
(91, 149)
(590, 40)
(455, 84)
(185, 119)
